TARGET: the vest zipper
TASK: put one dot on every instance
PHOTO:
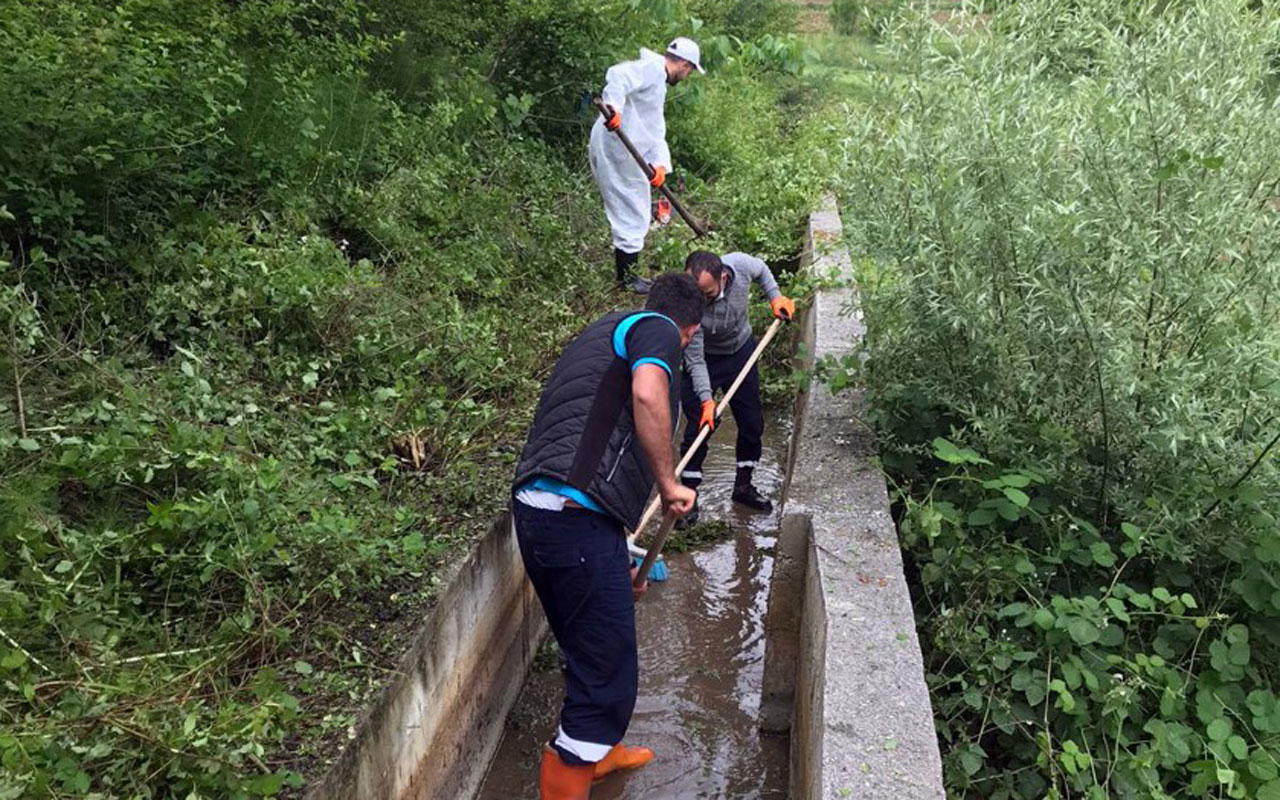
(622, 449)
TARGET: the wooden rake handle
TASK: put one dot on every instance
(698, 228)
(706, 431)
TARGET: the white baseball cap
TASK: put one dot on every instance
(683, 47)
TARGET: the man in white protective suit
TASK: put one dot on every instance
(635, 92)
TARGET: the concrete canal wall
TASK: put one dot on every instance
(434, 728)
(843, 671)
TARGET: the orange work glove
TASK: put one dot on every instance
(659, 176)
(783, 307)
(708, 414)
(614, 121)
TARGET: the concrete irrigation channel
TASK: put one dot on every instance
(779, 662)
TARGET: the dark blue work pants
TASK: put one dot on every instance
(578, 563)
(748, 411)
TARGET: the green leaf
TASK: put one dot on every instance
(971, 760)
(1018, 497)
(1261, 766)
(1008, 510)
(1219, 730)
(1082, 631)
(12, 659)
(1012, 610)
(1036, 693)
(265, 784)
(1117, 609)
(980, 517)
(1238, 654)
(303, 668)
(30, 445)
(1140, 600)
(1238, 747)
(1044, 618)
(413, 543)
(947, 451)
(1102, 555)
(1269, 791)
(63, 566)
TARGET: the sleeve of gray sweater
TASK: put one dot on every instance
(756, 270)
(695, 363)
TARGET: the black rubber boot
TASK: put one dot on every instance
(624, 266)
(746, 494)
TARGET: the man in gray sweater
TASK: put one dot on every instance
(716, 355)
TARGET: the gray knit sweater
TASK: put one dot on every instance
(725, 324)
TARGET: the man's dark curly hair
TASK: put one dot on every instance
(677, 296)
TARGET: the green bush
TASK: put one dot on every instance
(1075, 367)
(279, 283)
(869, 18)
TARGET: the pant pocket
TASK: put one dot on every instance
(559, 555)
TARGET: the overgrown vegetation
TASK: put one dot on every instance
(1072, 223)
(280, 282)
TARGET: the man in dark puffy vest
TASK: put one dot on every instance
(600, 438)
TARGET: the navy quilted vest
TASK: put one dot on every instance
(584, 433)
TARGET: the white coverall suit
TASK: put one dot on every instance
(637, 90)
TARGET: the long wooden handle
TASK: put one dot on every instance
(706, 431)
(655, 550)
(697, 227)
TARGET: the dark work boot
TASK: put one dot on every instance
(746, 494)
(624, 265)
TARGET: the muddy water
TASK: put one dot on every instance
(701, 637)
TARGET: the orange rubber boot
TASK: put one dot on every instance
(561, 781)
(621, 757)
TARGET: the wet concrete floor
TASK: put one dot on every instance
(701, 637)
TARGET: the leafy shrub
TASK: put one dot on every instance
(1075, 364)
(279, 283)
(869, 18)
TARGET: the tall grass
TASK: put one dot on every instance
(1072, 223)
